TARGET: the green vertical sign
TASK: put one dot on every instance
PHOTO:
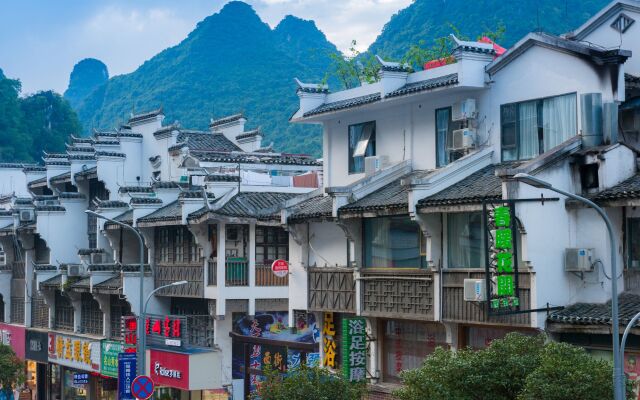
(109, 361)
(354, 349)
(504, 295)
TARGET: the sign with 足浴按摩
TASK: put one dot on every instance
(354, 349)
(501, 259)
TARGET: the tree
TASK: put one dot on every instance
(11, 369)
(517, 367)
(353, 69)
(308, 383)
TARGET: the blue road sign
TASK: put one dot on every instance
(142, 387)
(126, 374)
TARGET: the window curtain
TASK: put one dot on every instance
(464, 240)
(559, 116)
(528, 130)
(442, 127)
(391, 242)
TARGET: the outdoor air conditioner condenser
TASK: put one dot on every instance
(578, 260)
(475, 290)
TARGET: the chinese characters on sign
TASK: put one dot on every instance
(110, 351)
(354, 349)
(165, 330)
(80, 379)
(130, 333)
(501, 259)
(126, 374)
(328, 340)
(74, 352)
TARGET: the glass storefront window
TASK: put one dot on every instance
(72, 391)
(166, 393)
(55, 382)
(406, 344)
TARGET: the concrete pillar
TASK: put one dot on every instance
(252, 258)
(220, 269)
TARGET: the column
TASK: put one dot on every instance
(220, 269)
(252, 257)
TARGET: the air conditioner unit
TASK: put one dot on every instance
(75, 270)
(475, 290)
(578, 260)
(464, 109)
(26, 215)
(374, 164)
(97, 258)
(461, 139)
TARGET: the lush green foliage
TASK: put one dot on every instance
(33, 123)
(425, 20)
(231, 62)
(517, 367)
(308, 383)
(353, 69)
(86, 76)
(11, 368)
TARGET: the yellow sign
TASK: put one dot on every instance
(329, 343)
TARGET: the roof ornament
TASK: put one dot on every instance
(311, 87)
(392, 65)
(471, 45)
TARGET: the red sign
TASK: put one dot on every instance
(14, 336)
(130, 333)
(169, 369)
(280, 268)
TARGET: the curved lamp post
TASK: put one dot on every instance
(618, 382)
(141, 353)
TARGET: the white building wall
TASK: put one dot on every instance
(13, 180)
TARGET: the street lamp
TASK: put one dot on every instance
(141, 353)
(618, 382)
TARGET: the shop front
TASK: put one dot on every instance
(74, 366)
(37, 359)
(14, 337)
(108, 381)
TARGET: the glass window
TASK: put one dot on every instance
(272, 243)
(464, 240)
(179, 238)
(406, 344)
(530, 128)
(633, 242)
(392, 242)
(443, 122)
(362, 143)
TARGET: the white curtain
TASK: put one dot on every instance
(559, 116)
(528, 130)
(442, 127)
(464, 237)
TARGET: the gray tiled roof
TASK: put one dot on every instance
(598, 314)
(112, 204)
(80, 149)
(393, 196)
(427, 84)
(86, 252)
(172, 211)
(625, 190)
(145, 200)
(82, 284)
(342, 104)
(110, 154)
(50, 208)
(260, 205)
(110, 284)
(71, 195)
(253, 158)
(249, 134)
(34, 168)
(483, 184)
(146, 115)
(11, 165)
(135, 189)
(205, 141)
(39, 181)
(315, 207)
(87, 173)
(84, 157)
(126, 218)
(61, 178)
(222, 178)
(61, 163)
(226, 120)
(54, 282)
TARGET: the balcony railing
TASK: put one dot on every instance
(331, 289)
(236, 271)
(200, 330)
(212, 273)
(17, 310)
(194, 274)
(265, 277)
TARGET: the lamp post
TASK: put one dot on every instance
(141, 353)
(618, 382)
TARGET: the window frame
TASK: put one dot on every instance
(371, 146)
(422, 264)
(273, 238)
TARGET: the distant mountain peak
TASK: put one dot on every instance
(87, 75)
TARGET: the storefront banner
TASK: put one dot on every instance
(109, 361)
(14, 336)
(126, 375)
(74, 351)
(354, 349)
(169, 369)
(36, 346)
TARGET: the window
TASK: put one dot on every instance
(91, 317)
(63, 313)
(444, 127)
(633, 242)
(272, 243)
(392, 242)
(530, 128)
(362, 143)
(179, 241)
(465, 247)
(177, 245)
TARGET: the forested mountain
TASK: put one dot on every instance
(86, 76)
(429, 19)
(231, 62)
(30, 124)
(234, 62)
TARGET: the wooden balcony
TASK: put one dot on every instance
(236, 271)
(169, 273)
(331, 289)
(397, 293)
(265, 277)
(632, 280)
(456, 309)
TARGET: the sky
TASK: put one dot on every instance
(41, 40)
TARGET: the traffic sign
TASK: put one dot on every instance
(142, 387)
(280, 268)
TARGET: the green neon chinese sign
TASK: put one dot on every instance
(354, 349)
(502, 259)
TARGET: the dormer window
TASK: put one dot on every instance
(362, 143)
(622, 23)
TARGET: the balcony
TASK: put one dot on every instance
(331, 289)
(397, 293)
(265, 277)
(236, 271)
(169, 273)
(456, 309)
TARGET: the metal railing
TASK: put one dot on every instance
(265, 277)
(212, 272)
(200, 330)
(17, 310)
(236, 271)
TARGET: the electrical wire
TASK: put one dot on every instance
(599, 261)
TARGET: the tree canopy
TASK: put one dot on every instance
(11, 368)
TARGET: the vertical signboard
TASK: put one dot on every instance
(354, 349)
(328, 340)
(109, 362)
(126, 375)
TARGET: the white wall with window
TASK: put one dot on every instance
(392, 242)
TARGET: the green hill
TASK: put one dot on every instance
(429, 19)
(86, 76)
(231, 62)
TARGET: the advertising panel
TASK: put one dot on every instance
(75, 352)
(14, 336)
(36, 346)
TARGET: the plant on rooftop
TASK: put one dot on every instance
(353, 69)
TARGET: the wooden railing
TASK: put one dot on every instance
(397, 293)
(194, 274)
(331, 289)
(265, 277)
(236, 272)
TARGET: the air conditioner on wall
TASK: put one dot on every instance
(464, 109)
(97, 258)
(26, 215)
(75, 270)
(374, 164)
(475, 290)
(461, 139)
(578, 260)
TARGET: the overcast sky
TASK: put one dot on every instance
(41, 40)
